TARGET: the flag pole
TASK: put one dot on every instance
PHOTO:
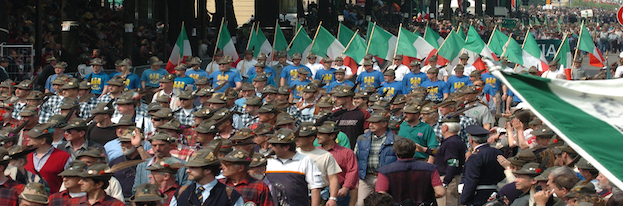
(492, 33)
(371, 34)
(575, 56)
(250, 34)
(315, 35)
(351, 40)
(180, 55)
(293, 38)
(216, 47)
(339, 27)
(272, 55)
(444, 42)
(560, 47)
(397, 40)
(425, 30)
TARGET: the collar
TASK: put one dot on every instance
(208, 186)
(85, 199)
(245, 181)
(479, 146)
(84, 145)
(46, 153)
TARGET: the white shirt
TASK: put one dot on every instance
(347, 69)
(400, 71)
(314, 68)
(244, 66)
(375, 67)
(174, 99)
(551, 74)
(211, 67)
(206, 193)
(442, 72)
(618, 72)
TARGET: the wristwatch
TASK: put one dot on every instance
(333, 198)
(138, 146)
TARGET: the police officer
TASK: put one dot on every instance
(482, 171)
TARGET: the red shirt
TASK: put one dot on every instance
(9, 192)
(382, 183)
(60, 199)
(190, 136)
(170, 193)
(253, 190)
(106, 201)
(346, 159)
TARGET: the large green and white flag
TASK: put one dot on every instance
(380, 42)
(564, 56)
(344, 34)
(497, 41)
(261, 43)
(513, 52)
(325, 44)
(301, 43)
(588, 115)
(280, 44)
(412, 45)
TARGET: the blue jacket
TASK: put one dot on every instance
(386, 156)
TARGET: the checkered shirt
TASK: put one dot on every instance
(87, 106)
(252, 189)
(189, 136)
(60, 198)
(248, 120)
(182, 152)
(375, 149)
(9, 192)
(185, 119)
(106, 201)
(49, 108)
(299, 116)
(465, 121)
(16, 110)
(12, 123)
(396, 117)
(237, 108)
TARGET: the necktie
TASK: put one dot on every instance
(200, 194)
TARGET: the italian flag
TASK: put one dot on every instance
(355, 49)
(225, 43)
(497, 41)
(326, 45)
(587, 115)
(344, 36)
(301, 43)
(564, 57)
(532, 54)
(260, 43)
(452, 47)
(513, 51)
(181, 51)
(280, 42)
(434, 40)
(412, 45)
(585, 43)
(380, 42)
(475, 45)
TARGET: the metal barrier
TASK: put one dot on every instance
(21, 62)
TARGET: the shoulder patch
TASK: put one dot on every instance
(453, 162)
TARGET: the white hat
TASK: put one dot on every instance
(621, 55)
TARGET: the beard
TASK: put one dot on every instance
(257, 176)
(127, 151)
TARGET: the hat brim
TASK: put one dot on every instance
(69, 173)
(35, 198)
(377, 119)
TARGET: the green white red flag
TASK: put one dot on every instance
(585, 43)
(587, 115)
(325, 44)
(532, 54)
(226, 44)
(181, 51)
(381, 42)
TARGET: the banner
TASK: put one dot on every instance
(549, 47)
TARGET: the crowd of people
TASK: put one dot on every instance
(285, 132)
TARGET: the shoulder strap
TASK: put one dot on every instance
(179, 191)
(229, 190)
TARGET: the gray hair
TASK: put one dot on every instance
(479, 139)
(452, 126)
(563, 171)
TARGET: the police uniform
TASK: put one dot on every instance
(482, 171)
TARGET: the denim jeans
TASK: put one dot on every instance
(341, 201)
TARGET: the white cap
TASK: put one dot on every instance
(621, 55)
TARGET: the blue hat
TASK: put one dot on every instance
(476, 130)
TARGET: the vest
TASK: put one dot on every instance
(410, 180)
(50, 170)
(386, 154)
(218, 196)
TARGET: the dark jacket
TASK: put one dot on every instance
(386, 156)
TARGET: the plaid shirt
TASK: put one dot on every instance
(375, 149)
(182, 152)
(253, 190)
(17, 109)
(9, 192)
(60, 199)
(170, 193)
(87, 106)
(300, 117)
(11, 123)
(237, 108)
(106, 201)
(49, 108)
(248, 120)
(465, 121)
(189, 136)
(185, 119)
(396, 117)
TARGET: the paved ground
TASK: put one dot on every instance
(612, 57)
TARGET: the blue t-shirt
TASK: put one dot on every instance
(152, 78)
(195, 74)
(114, 74)
(370, 79)
(181, 82)
(392, 89)
(411, 80)
(488, 90)
(268, 81)
(325, 76)
(298, 90)
(48, 83)
(98, 81)
(435, 89)
(335, 84)
(457, 82)
(515, 98)
(492, 81)
(229, 77)
(268, 70)
(291, 73)
(132, 81)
